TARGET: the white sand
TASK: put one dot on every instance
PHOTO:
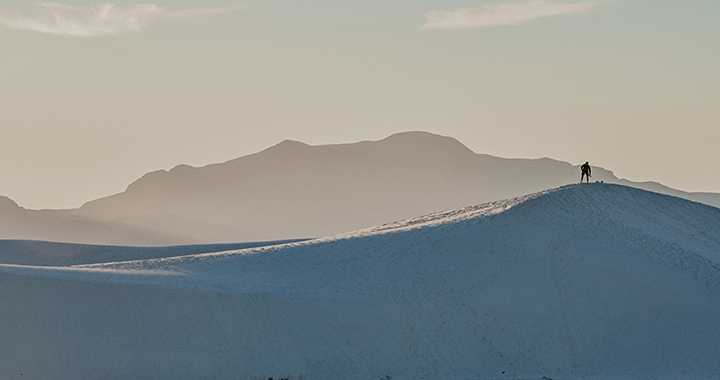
(586, 281)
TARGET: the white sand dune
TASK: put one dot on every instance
(44, 253)
(585, 281)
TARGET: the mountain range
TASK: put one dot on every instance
(294, 190)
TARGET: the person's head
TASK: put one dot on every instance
(587, 163)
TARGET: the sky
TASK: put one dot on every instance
(94, 95)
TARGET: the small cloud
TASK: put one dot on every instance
(99, 19)
(502, 14)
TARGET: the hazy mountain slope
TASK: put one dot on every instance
(712, 199)
(69, 226)
(592, 281)
(297, 190)
(293, 190)
(30, 252)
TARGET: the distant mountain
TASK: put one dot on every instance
(69, 226)
(592, 281)
(294, 190)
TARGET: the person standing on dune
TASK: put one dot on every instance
(585, 169)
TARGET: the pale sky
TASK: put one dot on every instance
(94, 95)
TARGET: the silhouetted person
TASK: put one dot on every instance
(585, 168)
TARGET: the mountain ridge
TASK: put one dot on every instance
(296, 190)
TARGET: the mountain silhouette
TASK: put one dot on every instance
(294, 190)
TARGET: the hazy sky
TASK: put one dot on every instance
(94, 95)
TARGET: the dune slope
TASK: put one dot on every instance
(44, 253)
(584, 281)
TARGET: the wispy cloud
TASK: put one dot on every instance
(99, 19)
(502, 14)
